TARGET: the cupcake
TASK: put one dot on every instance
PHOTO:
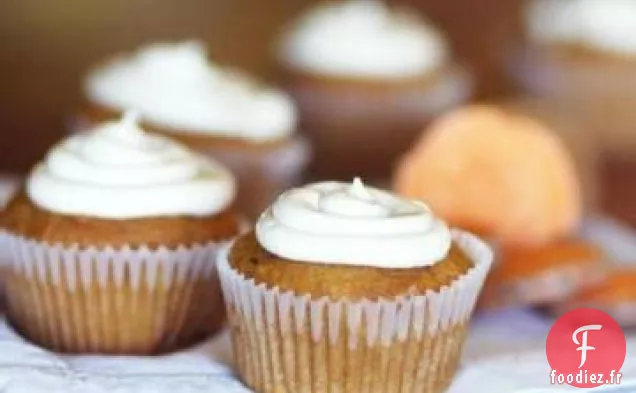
(368, 76)
(579, 49)
(112, 242)
(343, 287)
(509, 178)
(220, 112)
(582, 53)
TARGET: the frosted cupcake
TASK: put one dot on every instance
(112, 244)
(366, 76)
(343, 287)
(247, 126)
(583, 52)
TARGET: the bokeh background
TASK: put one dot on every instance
(46, 46)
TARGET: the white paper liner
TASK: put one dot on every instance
(385, 320)
(263, 174)
(84, 266)
(112, 300)
(286, 160)
(602, 94)
(454, 86)
(543, 74)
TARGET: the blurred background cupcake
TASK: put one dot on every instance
(366, 77)
(582, 54)
(221, 112)
(111, 244)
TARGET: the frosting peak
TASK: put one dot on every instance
(175, 86)
(364, 38)
(118, 171)
(608, 25)
(351, 224)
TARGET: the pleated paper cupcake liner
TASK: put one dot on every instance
(338, 102)
(289, 342)
(112, 300)
(380, 122)
(265, 174)
(602, 94)
(545, 74)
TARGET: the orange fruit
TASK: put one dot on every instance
(500, 174)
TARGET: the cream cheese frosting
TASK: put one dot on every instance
(351, 224)
(118, 171)
(174, 85)
(607, 25)
(363, 38)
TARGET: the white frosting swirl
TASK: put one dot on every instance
(175, 86)
(608, 25)
(117, 171)
(350, 224)
(364, 38)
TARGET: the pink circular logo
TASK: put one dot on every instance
(585, 348)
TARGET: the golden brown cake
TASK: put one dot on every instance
(348, 288)
(342, 281)
(111, 245)
(26, 219)
(220, 112)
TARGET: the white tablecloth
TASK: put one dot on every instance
(504, 352)
(504, 355)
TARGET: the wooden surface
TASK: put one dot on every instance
(46, 46)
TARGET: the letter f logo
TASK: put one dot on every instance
(583, 344)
